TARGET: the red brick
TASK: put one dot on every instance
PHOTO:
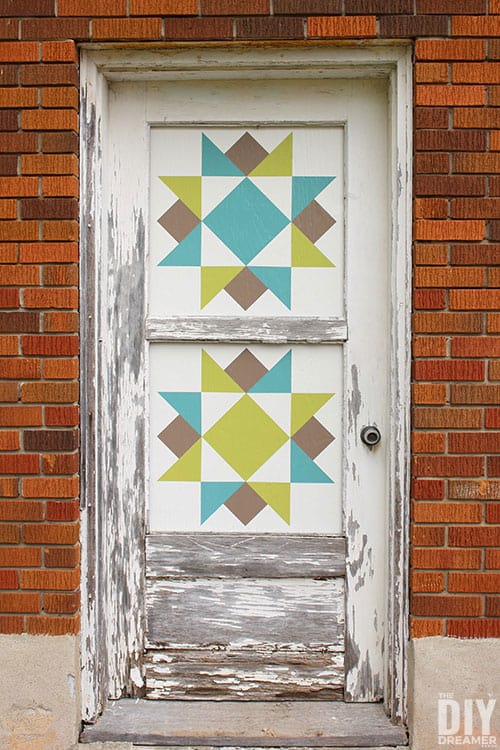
(492, 561)
(22, 416)
(475, 117)
(431, 117)
(61, 603)
(51, 298)
(19, 463)
(446, 605)
(64, 580)
(492, 418)
(50, 440)
(474, 582)
(479, 490)
(18, 186)
(493, 513)
(492, 606)
(92, 8)
(449, 230)
(475, 299)
(473, 628)
(480, 254)
(493, 466)
(446, 277)
(53, 625)
(9, 579)
(27, 7)
(475, 26)
(63, 416)
(341, 27)
(378, 6)
(428, 489)
(297, 7)
(475, 346)
(60, 142)
(487, 72)
(49, 75)
(413, 26)
(62, 275)
(50, 533)
(59, 230)
(49, 208)
(60, 186)
(19, 143)
(432, 73)
(55, 28)
(60, 322)
(49, 252)
(430, 208)
(448, 370)
(55, 346)
(8, 209)
(429, 346)
(232, 8)
(450, 140)
(59, 52)
(8, 391)
(9, 28)
(19, 97)
(483, 208)
(426, 628)
(49, 392)
(470, 162)
(61, 369)
(449, 95)
(20, 557)
(450, 49)
(49, 164)
(19, 51)
(19, 322)
(8, 253)
(9, 440)
(427, 393)
(198, 28)
(475, 394)
(165, 7)
(448, 466)
(428, 442)
(9, 298)
(8, 488)
(451, 6)
(277, 27)
(127, 28)
(428, 536)
(448, 513)
(62, 511)
(11, 624)
(474, 536)
(54, 463)
(50, 487)
(19, 602)
(427, 582)
(474, 442)
(19, 368)
(447, 418)
(9, 118)
(62, 557)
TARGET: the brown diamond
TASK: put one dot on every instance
(314, 221)
(313, 438)
(245, 288)
(245, 504)
(178, 221)
(246, 370)
(179, 436)
(246, 153)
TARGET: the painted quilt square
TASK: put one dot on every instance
(246, 222)
(245, 438)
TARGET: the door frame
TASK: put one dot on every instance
(113, 530)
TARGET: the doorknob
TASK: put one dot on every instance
(370, 435)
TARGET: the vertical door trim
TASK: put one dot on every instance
(112, 564)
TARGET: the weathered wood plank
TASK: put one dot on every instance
(244, 556)
(245, 674)
(205, 612)
(245, 330)
(245, 724)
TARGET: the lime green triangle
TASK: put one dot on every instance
(187, 468)
(213, 377)
(277, 495)
(304, 406)
(305, 254)
(214, 279)
(188, 189)
(278, 163)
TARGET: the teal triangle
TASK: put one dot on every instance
(278, 379)
(187, 252)
(305, 190)
(188, 405)
(214, 163)
(303, 470)
(215, 494)
(277, 279)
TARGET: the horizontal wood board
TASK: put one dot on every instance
(244, 556)
(245, 674)
(245, 724)
(184, 613)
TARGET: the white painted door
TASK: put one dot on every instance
(266, 250)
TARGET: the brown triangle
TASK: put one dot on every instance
(179, 436)
(313, 438)
(314, 221)
(245, 504)
(246, 153)
(246, 369)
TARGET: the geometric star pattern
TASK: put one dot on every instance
(249, 424)
(259, 201)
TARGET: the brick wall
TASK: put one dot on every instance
(456, 346)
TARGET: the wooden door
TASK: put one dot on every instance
(266, 301)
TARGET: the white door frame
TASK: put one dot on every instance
(113, 522)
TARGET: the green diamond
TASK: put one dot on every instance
(246, 437)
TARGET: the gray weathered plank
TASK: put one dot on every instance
(246, 724)
(206, 612)
(244, 556)
(248, 329)
(245, 674)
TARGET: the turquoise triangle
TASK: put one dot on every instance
(188, 405)
(278, 379)
(214, 163)
(303, 470)
(278, 280)
(215, 494)
(305, 190)
(187, 252)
